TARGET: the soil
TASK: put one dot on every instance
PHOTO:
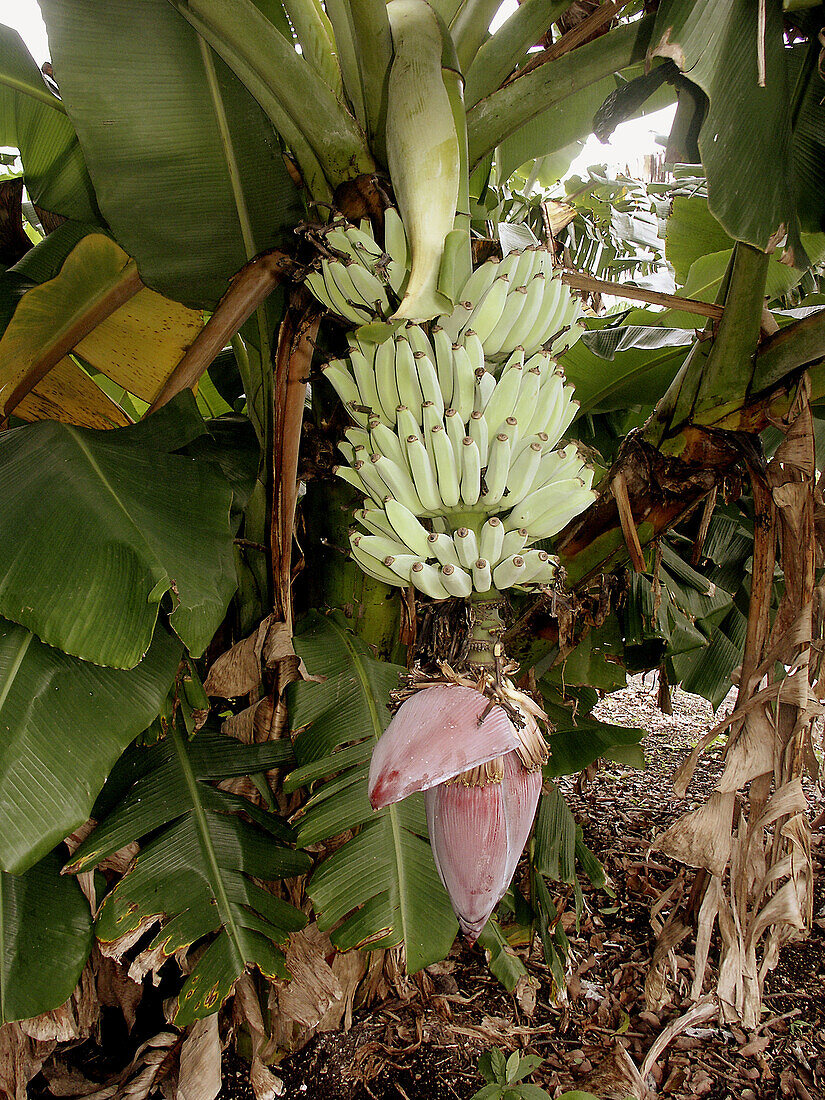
(425, 1045)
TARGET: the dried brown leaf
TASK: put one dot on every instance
(199, 1072)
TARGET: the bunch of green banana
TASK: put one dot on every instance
(519, 301)
(364, 281)
(440, 438)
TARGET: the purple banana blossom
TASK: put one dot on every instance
(477, 835)
(457, 745)
(436, 734)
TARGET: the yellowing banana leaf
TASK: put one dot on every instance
(68, 394)
(64, 723)
(381, 887)
(46, 932)
(97, 526)
(97, 306)
(197, 871)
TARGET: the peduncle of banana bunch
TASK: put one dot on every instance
(457, 402)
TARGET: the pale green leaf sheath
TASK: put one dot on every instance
(422, 151)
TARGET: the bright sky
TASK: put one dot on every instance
(628, 145)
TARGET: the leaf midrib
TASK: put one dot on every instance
(391, 811)
(214, 874)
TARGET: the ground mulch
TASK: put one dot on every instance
(425, 1043)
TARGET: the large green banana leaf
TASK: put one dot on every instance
(33, 120)
(46, 934)
(382, 884)
(737, 55)
(63, 724)
(639, 375)
(187, 168)
(97, 526)
(196, 872)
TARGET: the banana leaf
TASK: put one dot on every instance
(34, 121)
(46, 932)
(64, 723)
(137, 345)
(196, 872)
(98, 525)
(188, 169)
(379, 888)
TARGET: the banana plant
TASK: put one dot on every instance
(184, 143)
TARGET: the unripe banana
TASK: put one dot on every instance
(371, 566)
(491, 540)
(353, 476)
(370, 289)
(550, 395)
(539, 501)
(457, 582)
(446, 465)
(470, 472)
(529, 265)
(443, 362)
(364, 372)
(510, 428)
(365, 245)
(336, 373)
(314, 281)
(513, 542)
(475, 349)
(479, 282)
(509, 266)
(528, 394)
(496, 343)
(485, 383)
(466, 546)
(358, 412)
(428, 382)
(546, 322)
(535, 562)
(395, 241)
(441, 546)
(407, 527)
(384, 441)
(498, 466)
(385, 382)
(550, 522)
(418, 341)
(357, 437)
(486, 314)
(423, 475)
(375, 521)
(463, 382)
(406, 377)
(427, 579)
(530, 312)
(454, 321)
(455, 431)
(407, 425)
(336, 239)
(562, 416)
(477, 431)
(503, 399)
(347, 450)
(509, 571)
(401, 565)
(335, 277)
(522, 474)
(380, 546)
(398, 481)
(482, 576)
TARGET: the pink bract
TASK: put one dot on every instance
(477, 835)
(434, 736)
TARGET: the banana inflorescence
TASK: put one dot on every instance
(457, 428)
(517, 302)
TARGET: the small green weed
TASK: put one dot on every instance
(505, 1078)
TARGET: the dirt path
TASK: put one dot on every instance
(425, 1043)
